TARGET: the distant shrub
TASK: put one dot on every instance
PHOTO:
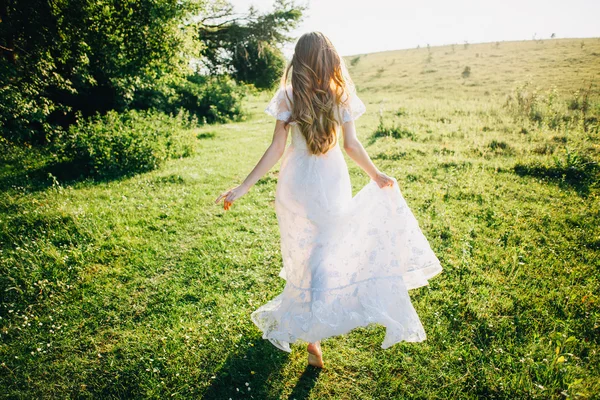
(500, 146)
(119, 144)
(560, 139)
(589, 112)
(395, 130)
(466, 72)
(401, 112)
(544, 108)
(354, 61)
(390, 156)
(444, 151)
(460, 165)
(525, 102)
(544, 149)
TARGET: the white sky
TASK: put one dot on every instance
(367, 26)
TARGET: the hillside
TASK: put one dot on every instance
(496, 68)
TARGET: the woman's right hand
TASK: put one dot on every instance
(383, 180)
(231, 195)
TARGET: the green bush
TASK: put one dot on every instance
(209, 99)
(119, 144)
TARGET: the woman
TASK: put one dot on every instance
(348, 261)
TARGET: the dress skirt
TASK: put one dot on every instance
(347, 261)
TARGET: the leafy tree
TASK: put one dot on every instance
(248, 46)
(66, 58)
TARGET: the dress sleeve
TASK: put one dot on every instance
(279, 106)
(353, 107)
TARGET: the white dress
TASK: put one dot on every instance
(347, 261)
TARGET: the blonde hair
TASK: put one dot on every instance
(320, 83)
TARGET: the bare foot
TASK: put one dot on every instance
(315, 355)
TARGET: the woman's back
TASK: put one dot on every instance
(281, 107)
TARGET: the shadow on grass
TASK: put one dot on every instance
(40, 178)
(579, 177)
(206, 135)
(307, 381)
(258, 365)
(64, 173)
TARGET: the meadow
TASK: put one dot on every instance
(142, 287)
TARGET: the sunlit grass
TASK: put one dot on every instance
(142, 287)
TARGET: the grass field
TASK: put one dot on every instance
(141, 287)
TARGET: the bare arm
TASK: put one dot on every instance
(357, 152)
(271, 156)
(267, 161)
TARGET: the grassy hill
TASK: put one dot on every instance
(142, 287)
(495, 68)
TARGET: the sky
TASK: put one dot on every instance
(357, 27)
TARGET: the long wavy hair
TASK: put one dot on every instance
(320, 83)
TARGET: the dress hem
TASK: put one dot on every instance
(417, 337)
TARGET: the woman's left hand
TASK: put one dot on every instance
(383, 180)
(231, 195)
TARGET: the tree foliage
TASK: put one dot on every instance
(247, 47)
(64, 58)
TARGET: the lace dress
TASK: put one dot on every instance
(347, 261)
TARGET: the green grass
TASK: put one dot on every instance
(142, 287)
